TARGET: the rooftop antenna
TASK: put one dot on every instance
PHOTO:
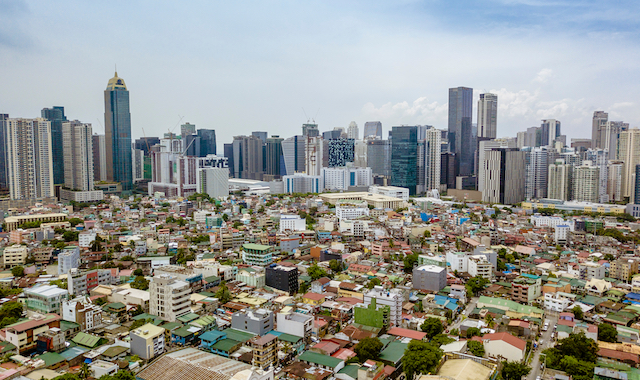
(315, 117)
(101, 125)
(305, 114)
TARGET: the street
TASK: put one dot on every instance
(546, 337)
(470, 306)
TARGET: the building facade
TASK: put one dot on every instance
(169, 298)
(487, 115)
(404, 158)
(117, 126)
(460, 136)
(77, 140)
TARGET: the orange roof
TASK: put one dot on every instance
(506, 337)
(314, 296)
(406, 333)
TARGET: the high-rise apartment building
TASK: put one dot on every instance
(484, 147)
(99, 157)
(313, 153)
(207, 142)
(550, 132)
(247, 157)
(460, 141)
(600, 158)
(560, 180)
(360, 153)
(636, 183)
(598, 121)
(429, 161)
(77, 142)
(629, 152)
(504, 173)
(137, 164)
(487, 115)
(373, 129)
(537, 171)
(213, 181)
(274, 160)
(353, 132)
(56, 116)
(29, 161)
(117, 125)
(448, 170)
(4, 181)
(586, 183)
(404, 158)
(614, 180)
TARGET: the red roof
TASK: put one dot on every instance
(314, 296)
(406, 333)
(31, 324)
(619, 355)
(506, 337)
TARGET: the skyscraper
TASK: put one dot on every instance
(586, 183)
(56, 116)
(4, 181)
(486, 146)
(504, 173)
(352, 131)
(274, 159)
(629, 152)
(117, 125)
(404, 158)
(460, 141)
(310, 130)
(379, 157)
(614, 180)
(248, 157)
(372, 129)
(261, 135)
(29, 161)
(293, 153)
(537, 172)
(598, 121)
(187, 129)
(207, 142)
(341, 151)
(487, 115)
(429, 161)
(78, 155)
(145, 143)
(313, 153)
(550, 131)
(100, 157)
(559, 183)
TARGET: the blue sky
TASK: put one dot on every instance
(238, 67)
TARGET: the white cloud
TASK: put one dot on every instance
(543, 76)
(420, 111)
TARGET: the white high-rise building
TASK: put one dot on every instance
(341, 178)
(614, 180)
(213, 181)
(550, 131)
(392, 298)
(302, 183)
(485, 146)
(504, 173)
(629, 152)
(169, 298)
(360, 154)
(313, 155)
(78, 155)
(537, 166)
(68, 259)
(137, 165)
(429, 160)
(352, 131)
(586, 183)
(600, 158)
(29, 163)
(487, 115)
(559, 183)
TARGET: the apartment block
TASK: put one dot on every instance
(168, 297)
(68, 259)
(147, 341)
(264, 351)
(429, 277)
(297, 324)
(82, 282)
(83, 312)
(479, 266)
(392, 298)
(283, 278)
(526, 289)
(45, 298)
(258, 322)
(24, 335)
(623, 268)
(14, 255)
(257, 254)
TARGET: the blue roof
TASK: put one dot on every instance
(633, 296)
(213, 335)
(73, 352)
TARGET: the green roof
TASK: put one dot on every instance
(114, 306)
(226, 345)
(6, 347)
(256, 247)
(171, 325)
(288, 337)
(85, 339)
(51, 358)
(188, 317)
(114, 351)
(204, 320)
(182, 331)
(394, 352)
(323, 360)
(350, 370)
(239, 335)
(68, 325)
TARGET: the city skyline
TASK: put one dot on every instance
(539, 68)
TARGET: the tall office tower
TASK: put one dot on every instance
(521, 138)
(137, 164)
(29, 161)
(310, 130)
(486, 146)
(313, 155)
(444, 141)
(614, 180)
(56, 116)
(4, 182)
(505, 174)
(117, 126)
(487, 115)
(373, 128)
(353, 132)
(191, 145)
(598, 121)
(610, 134)
(559, 186)
(331, 135)
(261, 135)
(404, 158)
(99, 157)
(537, 172)
(629, 152)
(460, 108)
(274, 159)
(293, 153)
(228, 153)
(379, 157)
(550, 131)
(340, 152)
(429, 161)
(145, 144)
(600, 158)
(448, 170)
(586, 183)
(207, 142)
(360, 154)
(248, 157)
(533, 137)
(187, 129)
(78, 155)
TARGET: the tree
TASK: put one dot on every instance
(17, 271)
(476, 348)
(75, 221)
(10, 312)
(432, 326)
(427, 234)
(578, 346)
(62, 284)
(84, 371)
(514, 370)
(577, 312)
(335, 266)
(489, 321)
(441, 339)
(140, 283)
(473, 331)
(315, 272)
(70, 236)
(476, 284)
(409, 262)
(139, 323)
(223, 294)
(137, 272)
(373, 282)
(420, 358)
(368, 348)
(96, 246)
(607, 333)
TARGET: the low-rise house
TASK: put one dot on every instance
(504, 345)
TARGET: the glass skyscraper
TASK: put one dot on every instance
(207, 142)
(117, 125)
(460, 136)
(56, 116)
(404, 158)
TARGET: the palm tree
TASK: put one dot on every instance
(84, 371)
